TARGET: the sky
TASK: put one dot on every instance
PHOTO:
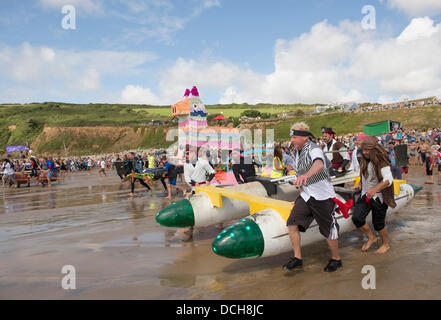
(234, 51)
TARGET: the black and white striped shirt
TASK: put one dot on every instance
(319, 185)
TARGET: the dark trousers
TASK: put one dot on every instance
(132, 184)
(362, 210)
(396, 173)
(163, 183)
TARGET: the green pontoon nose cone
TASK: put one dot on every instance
(243, 239)
(416, 188)
(177, 215)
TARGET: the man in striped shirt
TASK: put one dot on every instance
(315, 200)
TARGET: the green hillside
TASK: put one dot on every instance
(23, 124)
(29, 119)
(342, 123)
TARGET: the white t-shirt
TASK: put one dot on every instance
(321, 190)
(7, 169)
(188, 171)
(202, 167)
(372, 180)
(103, 164)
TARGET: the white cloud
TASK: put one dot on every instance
(67, 72)
(419, 28)
(138, 95)
(328, 63)
(416, 8)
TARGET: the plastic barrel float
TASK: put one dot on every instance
(265, 234)
(199, 210)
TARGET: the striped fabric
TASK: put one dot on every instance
(304, 164)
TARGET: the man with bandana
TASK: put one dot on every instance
(315, 201)
(376, 184)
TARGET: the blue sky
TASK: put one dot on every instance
(234, 50)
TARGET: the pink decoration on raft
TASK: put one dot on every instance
(194, 92)
(187, 93)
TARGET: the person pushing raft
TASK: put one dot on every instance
(315, 200)
(377, 194)
(335, 151)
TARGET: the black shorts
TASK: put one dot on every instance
(303, 213)
(362, 209)
(429, 172)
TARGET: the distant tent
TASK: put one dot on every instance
(12, 149)
(379, 128)
(354, 107)
(220, 117)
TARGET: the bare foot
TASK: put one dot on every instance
(368, 244)
(384, 248)
(130, 195)
(168, 198)
(184, 235)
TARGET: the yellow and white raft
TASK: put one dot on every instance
(264, 232)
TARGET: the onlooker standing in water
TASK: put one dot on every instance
(171, 173)
(89, 165)
(51, 170)
(429, 168)
(9, 172)
(34, 167)
(103, 167)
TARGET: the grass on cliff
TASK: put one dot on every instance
(30, 119)
(343, 123)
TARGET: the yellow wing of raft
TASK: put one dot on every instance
(257, 203)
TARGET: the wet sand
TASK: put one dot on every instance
(119, 252)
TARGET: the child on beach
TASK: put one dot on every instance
(429, 168)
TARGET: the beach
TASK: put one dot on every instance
(120, 252)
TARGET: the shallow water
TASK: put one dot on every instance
(119, 252)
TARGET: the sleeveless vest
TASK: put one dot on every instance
(277, 173)
(304, 164)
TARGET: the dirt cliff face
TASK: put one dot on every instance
(92, 140)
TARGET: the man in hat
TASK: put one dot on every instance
(315, 200)
(334, 150)
(377, 194)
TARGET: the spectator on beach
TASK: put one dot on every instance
(89, 166)
(103, 167)
(8, 172)
(429, 168)
(50, 165)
